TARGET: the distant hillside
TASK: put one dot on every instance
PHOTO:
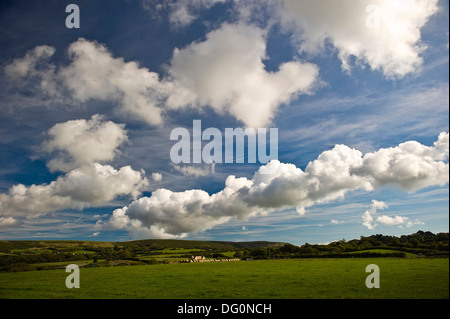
(196, 244)
(155, 244)
(23, 255)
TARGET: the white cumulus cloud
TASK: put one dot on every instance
(329, 177)
(383, 34)
(226, 72)
(79, 146)
(94, 73)
(81, 142)
(410, 165)
(91, 185)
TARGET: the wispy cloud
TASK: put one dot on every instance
(371, 219)
(189, 170)
(414, 111)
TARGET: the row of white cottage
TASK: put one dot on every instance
(202, 259)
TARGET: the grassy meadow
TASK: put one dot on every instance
(400, 278)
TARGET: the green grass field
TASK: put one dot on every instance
(268, 279)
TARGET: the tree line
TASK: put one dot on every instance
(420, 243)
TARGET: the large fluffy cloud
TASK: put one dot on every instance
(225, 72)
(80, 142)
(410, 166)
(79, 145)
(91, 185)
(384, 34)
(95, 74)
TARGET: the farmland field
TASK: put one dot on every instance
(400, 278)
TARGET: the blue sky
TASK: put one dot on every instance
(86, 116)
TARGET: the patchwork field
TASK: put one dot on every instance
(400, 278)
